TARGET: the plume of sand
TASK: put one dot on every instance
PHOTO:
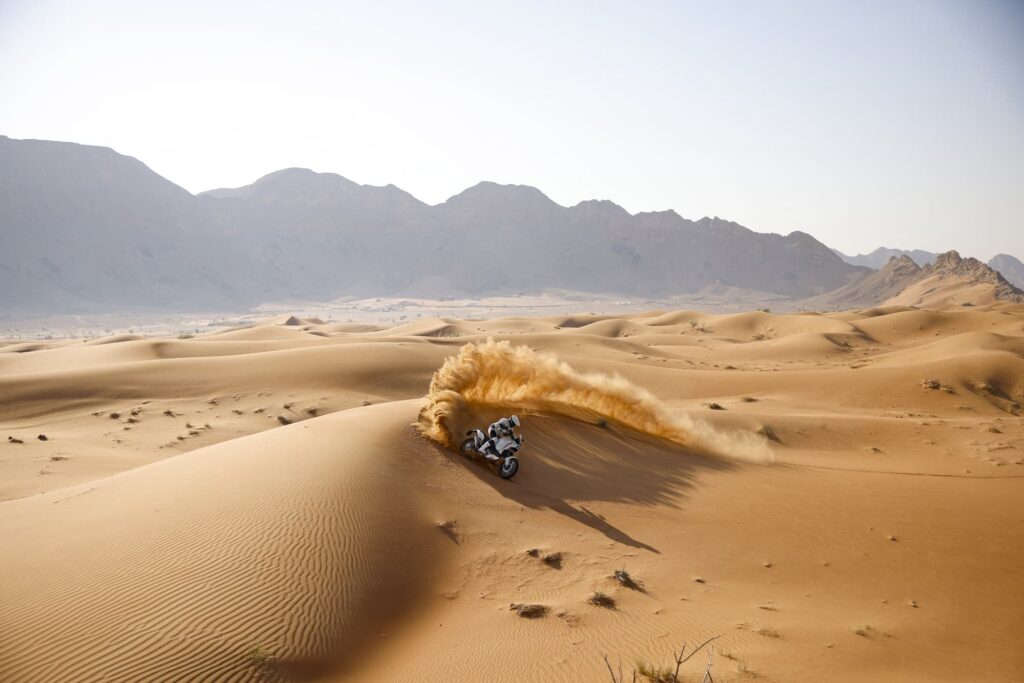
(496, 373)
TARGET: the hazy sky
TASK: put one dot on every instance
(864, 123)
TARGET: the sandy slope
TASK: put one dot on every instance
(950, 281)
(293, 540)
(882, 541)
(942, 291)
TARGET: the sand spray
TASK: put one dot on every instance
(496, 373)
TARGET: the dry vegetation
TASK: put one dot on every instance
(653, 673)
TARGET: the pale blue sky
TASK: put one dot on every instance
(864, 123)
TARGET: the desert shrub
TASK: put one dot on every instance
(259, 657)
(528, 611)
(653, 673)
(553, 560)
(698, 326)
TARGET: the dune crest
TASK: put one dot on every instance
(494, 374)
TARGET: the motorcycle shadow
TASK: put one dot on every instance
(564, 459)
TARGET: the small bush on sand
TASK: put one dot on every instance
(654, 673)
(658, 674)
(528, 611)
(599, 599)
(259, 657)
(700, 327)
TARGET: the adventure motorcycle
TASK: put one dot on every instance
(501, 450)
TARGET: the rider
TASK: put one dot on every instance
(503, 427)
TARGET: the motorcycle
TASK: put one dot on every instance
(502, 450)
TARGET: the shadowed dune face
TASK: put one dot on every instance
(295, 541)
(566, 460)
(257, 504)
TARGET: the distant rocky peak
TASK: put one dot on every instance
(951, 264)
(802, 238)
(487, 190)
(294, 178)
(600, 207)
(493, 199)
(1009, 267)
(880, 256)
(301, 186)
(598, 204)
(667, 214)
(948, 260)
(720, 225)
(288, 185)
(901, 264)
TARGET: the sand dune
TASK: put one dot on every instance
(837, 497)
(305, 542)
(940, 290)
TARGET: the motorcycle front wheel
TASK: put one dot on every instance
(468, 447)
(509, 467)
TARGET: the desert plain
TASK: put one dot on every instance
(828, 497)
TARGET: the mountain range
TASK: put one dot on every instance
(1008, 266)
(879, 257)
(949, 280)
(85, 229)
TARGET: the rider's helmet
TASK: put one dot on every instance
(514, 420)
